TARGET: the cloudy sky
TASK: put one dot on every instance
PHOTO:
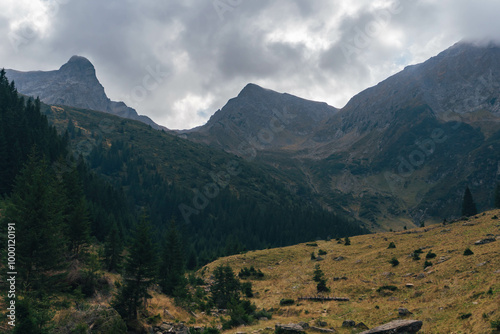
(180, 61)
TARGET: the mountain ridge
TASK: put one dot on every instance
(74, 84)
(354, 156)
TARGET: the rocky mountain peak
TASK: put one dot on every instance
(79, 65)
(75, 84)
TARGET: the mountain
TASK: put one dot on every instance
(75, 84)
(263, 119)
(398, 153)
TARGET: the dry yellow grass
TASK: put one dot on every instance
(457, 286)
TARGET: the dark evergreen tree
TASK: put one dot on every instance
(172, 262)
(36, 210)
(497, 196)
(226, 287)
(468, 205)
(140, 271)
(77, 217)
(113, 249)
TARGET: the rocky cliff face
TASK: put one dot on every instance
(75, 84)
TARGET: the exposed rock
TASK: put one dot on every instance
(171, 328)
(397, 327)
(348, 323)
(304, 325)
(409, 285)
(340, 258)
(321, 323)
(442, 259)
(361, 326)
(420, 276)
(322, 330)
(403, 312)
(289, 328)
(485, 241)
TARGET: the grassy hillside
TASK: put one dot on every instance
(459, 286)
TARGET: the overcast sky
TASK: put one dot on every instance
(180, 61)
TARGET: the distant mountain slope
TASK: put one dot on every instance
(402, 150)
(75, 84)
(265, 120)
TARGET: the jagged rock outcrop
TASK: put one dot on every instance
(75, 84)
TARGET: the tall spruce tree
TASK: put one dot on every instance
(226, 287)
(468, 205)
(497, 196)
(113, 249)
(77, 217)
(172, 262)
(36, 211)
(140, 271)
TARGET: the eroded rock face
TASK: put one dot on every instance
(397, 327)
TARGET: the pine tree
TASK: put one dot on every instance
(113, 249)
(37, 214)
(172, 262)
(77, 217)
(226, 287)
(468, 205)
(140, 271)
(497, 196)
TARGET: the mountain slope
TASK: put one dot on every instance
(222, 203)
(75, 84)
(399, 152)
(263, 119)
(457, 294)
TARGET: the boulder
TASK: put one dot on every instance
(289, 328)
(304, 325)
(348, 323)
(397, 326)
(403, 312)
(361, 326)
(322, 330)
(485, 241)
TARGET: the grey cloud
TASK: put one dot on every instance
(212, 59)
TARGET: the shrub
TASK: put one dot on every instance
(312, 244)
(387, 287)
(430, 255)
(286, 301)
(427, 264)
(391, 245)
(321, 252)
(313, 257)
(468, 252)
(347, 241)
(415, 256)
(494, 217)
(464, 316)
(394, 262)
